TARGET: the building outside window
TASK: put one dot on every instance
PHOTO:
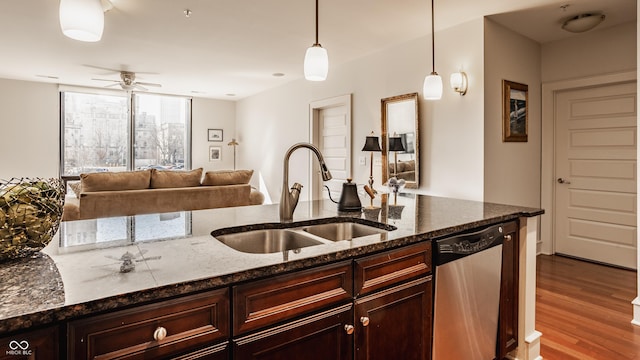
(99, 134)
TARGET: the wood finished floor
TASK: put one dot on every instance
(584, 310)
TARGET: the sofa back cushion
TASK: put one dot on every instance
(115, 181)
(227, 177)
(175, 179)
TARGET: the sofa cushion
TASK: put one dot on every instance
(76, 187)
(227, 177)
(114, 181)
(174, 179)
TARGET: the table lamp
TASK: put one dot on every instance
(395, 145)
(371, 144)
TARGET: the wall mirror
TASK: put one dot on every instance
(400, 139)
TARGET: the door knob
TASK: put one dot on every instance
(563, 181)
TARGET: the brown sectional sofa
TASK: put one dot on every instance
(154, 191)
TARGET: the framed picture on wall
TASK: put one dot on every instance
(214, 135)
(515, 111)
(215, 153)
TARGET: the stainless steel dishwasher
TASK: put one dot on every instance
(467, 295)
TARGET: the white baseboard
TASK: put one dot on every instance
(636, 311)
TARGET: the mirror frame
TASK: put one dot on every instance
(385, 137)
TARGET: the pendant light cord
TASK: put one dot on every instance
(317, 22)
(433, 40)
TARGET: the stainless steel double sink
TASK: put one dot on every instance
(270, 240)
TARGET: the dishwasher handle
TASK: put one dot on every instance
(456, 247)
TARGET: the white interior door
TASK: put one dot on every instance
(332, 135)
(595, 167)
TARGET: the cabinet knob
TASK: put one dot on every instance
(507, 238)
(364, 320)
(160, 333)
(348, 329)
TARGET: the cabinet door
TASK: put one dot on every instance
(321, 336)
(32, 345)
(395, 323)
(155, 331)
(508, 326)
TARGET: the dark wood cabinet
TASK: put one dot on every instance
(395, 323)
(32, 345)
(321, 336)
(508, 324)
(194, 327)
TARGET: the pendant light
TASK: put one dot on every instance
(82, 20)
(316, 60)
(432, 87)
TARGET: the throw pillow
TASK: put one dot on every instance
(227, 177)
(76, 187)
(175, 178)
(115, 181)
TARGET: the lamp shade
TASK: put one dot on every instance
(459, 82)
(372, 144)
(395, 144)
(432, 88)
(82, 20)
(316, 63)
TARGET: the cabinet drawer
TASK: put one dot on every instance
(265, 302)
(31, 345)
(392, 267)
(192, 322)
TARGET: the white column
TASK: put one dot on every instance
(528, 337)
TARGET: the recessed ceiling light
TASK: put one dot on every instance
(187, 12)
(197, 92)
(48, 77)
(278, 74)
(230, 94)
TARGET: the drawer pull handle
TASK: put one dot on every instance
(364, 320)
(160, 333)
(507, 238)
(348, 329)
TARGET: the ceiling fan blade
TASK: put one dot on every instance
(148, 84)
(112, 85)
(106, 80)
(139, 87)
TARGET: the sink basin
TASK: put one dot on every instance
(267, 241)
(342, 231)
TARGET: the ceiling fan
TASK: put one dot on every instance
(128, 82)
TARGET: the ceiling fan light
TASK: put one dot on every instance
(316, 63)
(583, 22)
(432, 87)
(82, 20)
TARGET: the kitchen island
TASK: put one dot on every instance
(125, 266)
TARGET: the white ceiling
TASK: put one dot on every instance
(235, 46)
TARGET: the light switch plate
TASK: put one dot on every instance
(362, 160)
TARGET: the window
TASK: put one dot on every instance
(99, 135)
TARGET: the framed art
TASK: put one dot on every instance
(515, 111)
(215, 153)
(214, 135)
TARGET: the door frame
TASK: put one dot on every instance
(314, 133)
(548, 176)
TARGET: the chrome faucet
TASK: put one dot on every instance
(289, 199)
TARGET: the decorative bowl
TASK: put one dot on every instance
(30, 214)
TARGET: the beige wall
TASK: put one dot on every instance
(512, 169)
(451, 129)
(593, 53)
(30, 130)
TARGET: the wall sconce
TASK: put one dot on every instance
(459, 82)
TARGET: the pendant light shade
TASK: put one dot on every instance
(316, 59)
(432, 87)
(316, 63)
(82, 20)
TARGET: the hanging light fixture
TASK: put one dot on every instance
(316, 60)
(82, 20)
(432, 88)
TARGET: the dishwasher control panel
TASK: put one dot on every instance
(451, 248)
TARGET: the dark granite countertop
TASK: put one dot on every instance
(79, 272)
